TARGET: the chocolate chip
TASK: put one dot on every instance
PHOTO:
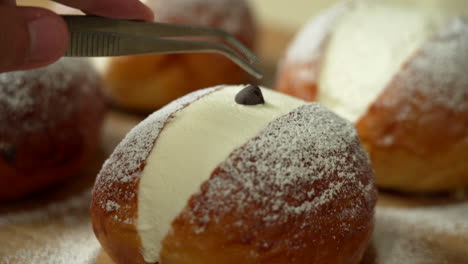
(8, 153)
(250, 95)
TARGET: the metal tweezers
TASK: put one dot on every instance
(92, 36)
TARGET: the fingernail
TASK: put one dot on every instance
(46, 38)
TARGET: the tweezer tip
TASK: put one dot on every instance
(257, 73)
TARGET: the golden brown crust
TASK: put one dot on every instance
(52, 136)
(234, 245)
(148, 82)
(253, 243)
(289, 81)
(116, 229)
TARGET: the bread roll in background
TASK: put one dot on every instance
(399, 73)
(50, 121)
(146, 82)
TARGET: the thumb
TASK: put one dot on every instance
(30, 37)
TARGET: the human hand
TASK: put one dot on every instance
(32, 37)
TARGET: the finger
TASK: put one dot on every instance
(30, 37)
(124, 9)
(8, 2)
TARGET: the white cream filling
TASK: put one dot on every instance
(101, 64)
(367, 48)
(189, 148)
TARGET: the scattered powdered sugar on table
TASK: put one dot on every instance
(450, 219)
(126, 163)
(77, 245)
(48, 211)
(420, 235)
(439, 71)
(202, 12)
(308, 45)
(57, 233)
(60, 233)
(298, 164)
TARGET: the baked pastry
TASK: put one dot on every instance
(50, 120)
(236, 174)
(147, 82)
(404, 84)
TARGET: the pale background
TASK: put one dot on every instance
(291, 14)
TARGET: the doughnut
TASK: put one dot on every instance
(236, 174)
(145, 83)
(50, 120)
(403, 84)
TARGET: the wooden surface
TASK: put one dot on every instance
(54, 226)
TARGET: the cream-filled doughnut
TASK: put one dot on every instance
(201, 146)
(236, 174)
(50, 121)
(399, 74)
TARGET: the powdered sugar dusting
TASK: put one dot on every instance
(24, 92)
(58, 233)
(439, 71)
(201, 12)
(126, 163)
(309, 43)
(297, 165)
(16, 88)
